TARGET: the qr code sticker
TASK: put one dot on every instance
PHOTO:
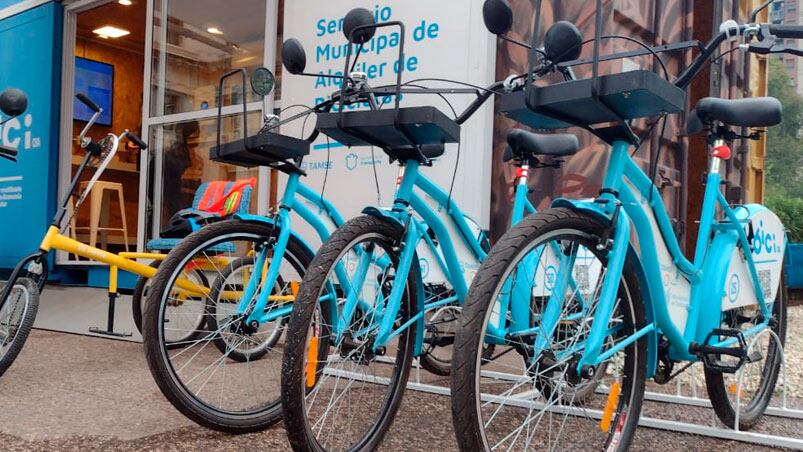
(765, 279)
(581, 278)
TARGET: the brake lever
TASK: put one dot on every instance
(791, 51)
(773, 48)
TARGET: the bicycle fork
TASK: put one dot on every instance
(590, 350)
(413, 234)
(260, 283)
(600, 325)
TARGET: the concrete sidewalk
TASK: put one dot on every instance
(69, 392)
(74, 392)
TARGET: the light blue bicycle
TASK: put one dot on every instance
(581, 355)
(351, 341)
(226, 376)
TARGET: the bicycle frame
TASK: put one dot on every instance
(408, 205)
(627, 189)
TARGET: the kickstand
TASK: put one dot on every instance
(109, 331)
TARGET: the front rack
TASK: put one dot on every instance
(402, 127)
(623, 96)
(395, 130)
(611, 99)
(270, 149)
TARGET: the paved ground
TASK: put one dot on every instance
(69, 392)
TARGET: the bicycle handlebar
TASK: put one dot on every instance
(787, 31)
(137, 141)
(696, 66)
(88, 102)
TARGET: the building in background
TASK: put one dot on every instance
(790, 12)
(164, 72)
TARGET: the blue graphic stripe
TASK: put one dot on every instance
(332, 145)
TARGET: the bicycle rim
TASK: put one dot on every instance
(209, 377)
(534, 400)
(350, 401)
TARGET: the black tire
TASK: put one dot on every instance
(17, 316)
(212, 316)
(467, 413)
(253, 418)
(383, 234)
(718, 389)
(139, 296)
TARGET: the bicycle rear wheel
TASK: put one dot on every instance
(214, 378)
(526, 396)
(759, 378)
(17, 315)
(441, 325)
(221, 310)
(339, 392)
(192, 315)
(138, 297)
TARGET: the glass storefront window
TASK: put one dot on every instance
(184, 148)
(200, 41)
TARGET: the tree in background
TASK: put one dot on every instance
(784, 163)
(784, 175)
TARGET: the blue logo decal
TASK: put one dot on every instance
(351, 161)
(733, 288)
(765, 242)
(424, 263)
(549, 276)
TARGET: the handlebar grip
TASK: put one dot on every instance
(787, 31)
(137, 141)
(88, 102)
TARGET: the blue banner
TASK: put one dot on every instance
(30, 46)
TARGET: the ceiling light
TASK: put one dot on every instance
(214, 30)
(108, 31)
(125, 2)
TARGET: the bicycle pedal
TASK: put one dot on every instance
(711, 355)
(755, 357)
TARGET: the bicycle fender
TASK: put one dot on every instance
(718, 259)
(595, 210)
(727, 272)
(390, 217)
(270, 221)
(383, 214)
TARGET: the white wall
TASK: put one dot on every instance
(455, 45)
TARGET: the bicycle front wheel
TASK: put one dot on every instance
(526, 393)
(341, 391)
(226, 377)
(17, 315)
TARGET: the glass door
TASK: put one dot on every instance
(192, 44)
